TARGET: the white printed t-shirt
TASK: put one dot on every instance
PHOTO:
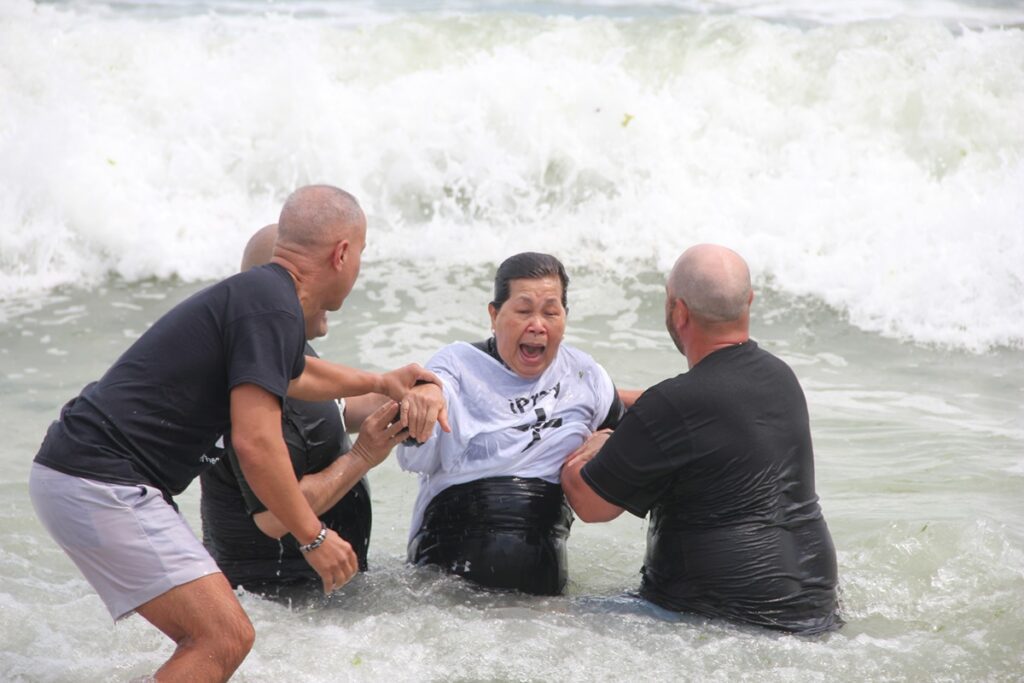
(504, 425)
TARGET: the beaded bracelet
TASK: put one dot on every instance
(316, 542)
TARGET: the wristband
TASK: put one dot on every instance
(316, 542)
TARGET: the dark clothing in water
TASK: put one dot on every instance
(501, 532)
(721, 457)
(315, 435)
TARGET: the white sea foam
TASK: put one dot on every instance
(875, 166)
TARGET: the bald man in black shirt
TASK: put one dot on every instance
(721, 458)
(106, 473)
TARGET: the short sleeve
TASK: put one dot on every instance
(632, 470)
(446, 365)
(265, 350)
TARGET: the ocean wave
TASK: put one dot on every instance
(874, 166)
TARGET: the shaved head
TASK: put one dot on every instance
(713, 281)
(319, 215)
(260, 247)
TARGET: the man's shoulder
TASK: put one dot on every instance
(668, 396)
(767, 359)
(263, 289)
(672, 385)
(261, 284)
(270, 276)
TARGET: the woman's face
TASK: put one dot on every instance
(529, 326)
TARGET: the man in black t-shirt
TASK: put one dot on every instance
(247, 541)
(103, 479)
(721, 458)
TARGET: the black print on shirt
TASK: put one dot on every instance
(542, 423)
(517, 406)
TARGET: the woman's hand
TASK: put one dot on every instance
(397, 383)
(422, 406)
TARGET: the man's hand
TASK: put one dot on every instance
(334, 561)
(587, 503)
(582, 455)
(397, 383)
(422, 406)
(379, 433)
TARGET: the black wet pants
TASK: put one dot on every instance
(500, 532)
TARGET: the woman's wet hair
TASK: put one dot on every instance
(528, 265)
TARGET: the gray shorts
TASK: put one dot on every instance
(130, 544)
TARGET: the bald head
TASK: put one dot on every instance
(260, 247)
(319, 215)
(714, 282)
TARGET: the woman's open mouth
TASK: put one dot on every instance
(532, 352)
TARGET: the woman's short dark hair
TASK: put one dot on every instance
(528, 265)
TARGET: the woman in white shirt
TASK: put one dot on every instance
(490, 507)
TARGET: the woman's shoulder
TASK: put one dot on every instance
(459, 358)
(460, 351)
(577, 357)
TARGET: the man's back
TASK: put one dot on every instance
(721, 457)
(746, 454)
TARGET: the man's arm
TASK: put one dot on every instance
(588, 505)
(263, 457)
(422, 406)
(325, 488)
(322, 380)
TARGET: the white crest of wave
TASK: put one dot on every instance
(875, 166)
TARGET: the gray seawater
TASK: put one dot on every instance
(920, 468)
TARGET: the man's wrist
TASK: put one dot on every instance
(360, 455)
(317, 541)
(379, 384)
(310, 534)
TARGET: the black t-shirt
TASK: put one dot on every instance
(157, 411)
(721, 457)
(316, 437)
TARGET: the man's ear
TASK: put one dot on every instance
(340, 254)
(680, 313)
